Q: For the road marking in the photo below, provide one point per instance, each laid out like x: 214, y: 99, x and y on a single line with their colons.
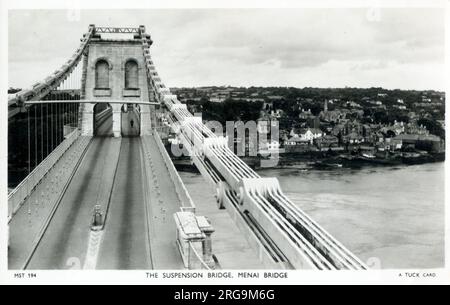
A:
x: 95, y: 238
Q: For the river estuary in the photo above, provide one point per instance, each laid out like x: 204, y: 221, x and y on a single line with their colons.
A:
x: 392, y: 217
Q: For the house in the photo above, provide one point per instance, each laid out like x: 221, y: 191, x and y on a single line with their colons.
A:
x: 338, y: 129
x: 327, y: 141
x: 353, y: 138
x: 333, y: 116
x: 276, y: 113
x: 270, y: 146
x: 352, y: 104
x: 313, y: 122
x: 398, y: 127
x: 216, y: 99
x: 254, y: 100
x: 425, y: 141
x: 275, y: 97
x: 308, y: 134
x: 305, y: 114
x: 375, y: 102
x: 413, y: 128
x: 297, y: 144
x: 400, y: 107
x: 390, y: 144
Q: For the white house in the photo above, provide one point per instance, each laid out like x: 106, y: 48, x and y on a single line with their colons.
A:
x: 308, y: 134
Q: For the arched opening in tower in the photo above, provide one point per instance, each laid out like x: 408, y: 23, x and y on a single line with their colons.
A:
x: 103, y: 120
x: 131, y: 120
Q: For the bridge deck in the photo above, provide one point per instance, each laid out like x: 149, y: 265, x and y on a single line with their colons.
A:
x: 27, y: 223
x: 138, y: 200
x: 164, y: 202
x: 125, y: 242
x: 64, y: 244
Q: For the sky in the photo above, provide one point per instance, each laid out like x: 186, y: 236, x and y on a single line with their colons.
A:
x: 316, y: 47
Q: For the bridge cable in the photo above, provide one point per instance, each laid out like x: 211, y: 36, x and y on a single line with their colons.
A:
x: 51, y: 123
x: 61, y: 106
x: 29, y: 164
x: 46, y: 129
x: 58, y: 119
x: 35, y: 136
x: 35, y: 147
x: 58, y: 123
x: 63, y: 118
x: 42, y: 133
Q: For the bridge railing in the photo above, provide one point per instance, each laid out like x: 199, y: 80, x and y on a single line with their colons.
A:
x: 195, y: 259
x: 180, y: 188
x: 102, y: 116
x: 26, y: 187
x: 193, y: 236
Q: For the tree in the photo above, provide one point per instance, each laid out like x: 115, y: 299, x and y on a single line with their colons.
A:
x: 433, y: 127
x: 12, y: 90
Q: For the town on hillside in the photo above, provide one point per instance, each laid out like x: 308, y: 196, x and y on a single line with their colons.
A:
x: 374, y: 125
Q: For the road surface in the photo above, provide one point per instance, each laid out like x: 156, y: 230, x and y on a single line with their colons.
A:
x: 64, y: 244
x: 138, y: 198
x: 125, y: 243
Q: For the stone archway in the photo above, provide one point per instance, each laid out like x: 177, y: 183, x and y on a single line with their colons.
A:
x: 102, y: 120
x: 130, y: 120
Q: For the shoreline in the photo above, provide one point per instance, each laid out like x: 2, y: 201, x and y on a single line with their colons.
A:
x: 309, y: 162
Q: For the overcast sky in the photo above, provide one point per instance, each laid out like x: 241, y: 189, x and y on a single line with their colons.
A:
x: 391, y: 48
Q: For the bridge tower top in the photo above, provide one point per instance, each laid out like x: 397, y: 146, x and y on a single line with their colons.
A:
x: 114, y: 70
x: 138, y: 32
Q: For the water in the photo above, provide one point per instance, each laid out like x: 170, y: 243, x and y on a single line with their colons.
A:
x: 393, y: 216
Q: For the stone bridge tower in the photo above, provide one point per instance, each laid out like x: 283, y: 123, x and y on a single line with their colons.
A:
x: 114, y: 70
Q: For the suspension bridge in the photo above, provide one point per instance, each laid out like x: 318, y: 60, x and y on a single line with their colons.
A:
x: 98, y: 189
